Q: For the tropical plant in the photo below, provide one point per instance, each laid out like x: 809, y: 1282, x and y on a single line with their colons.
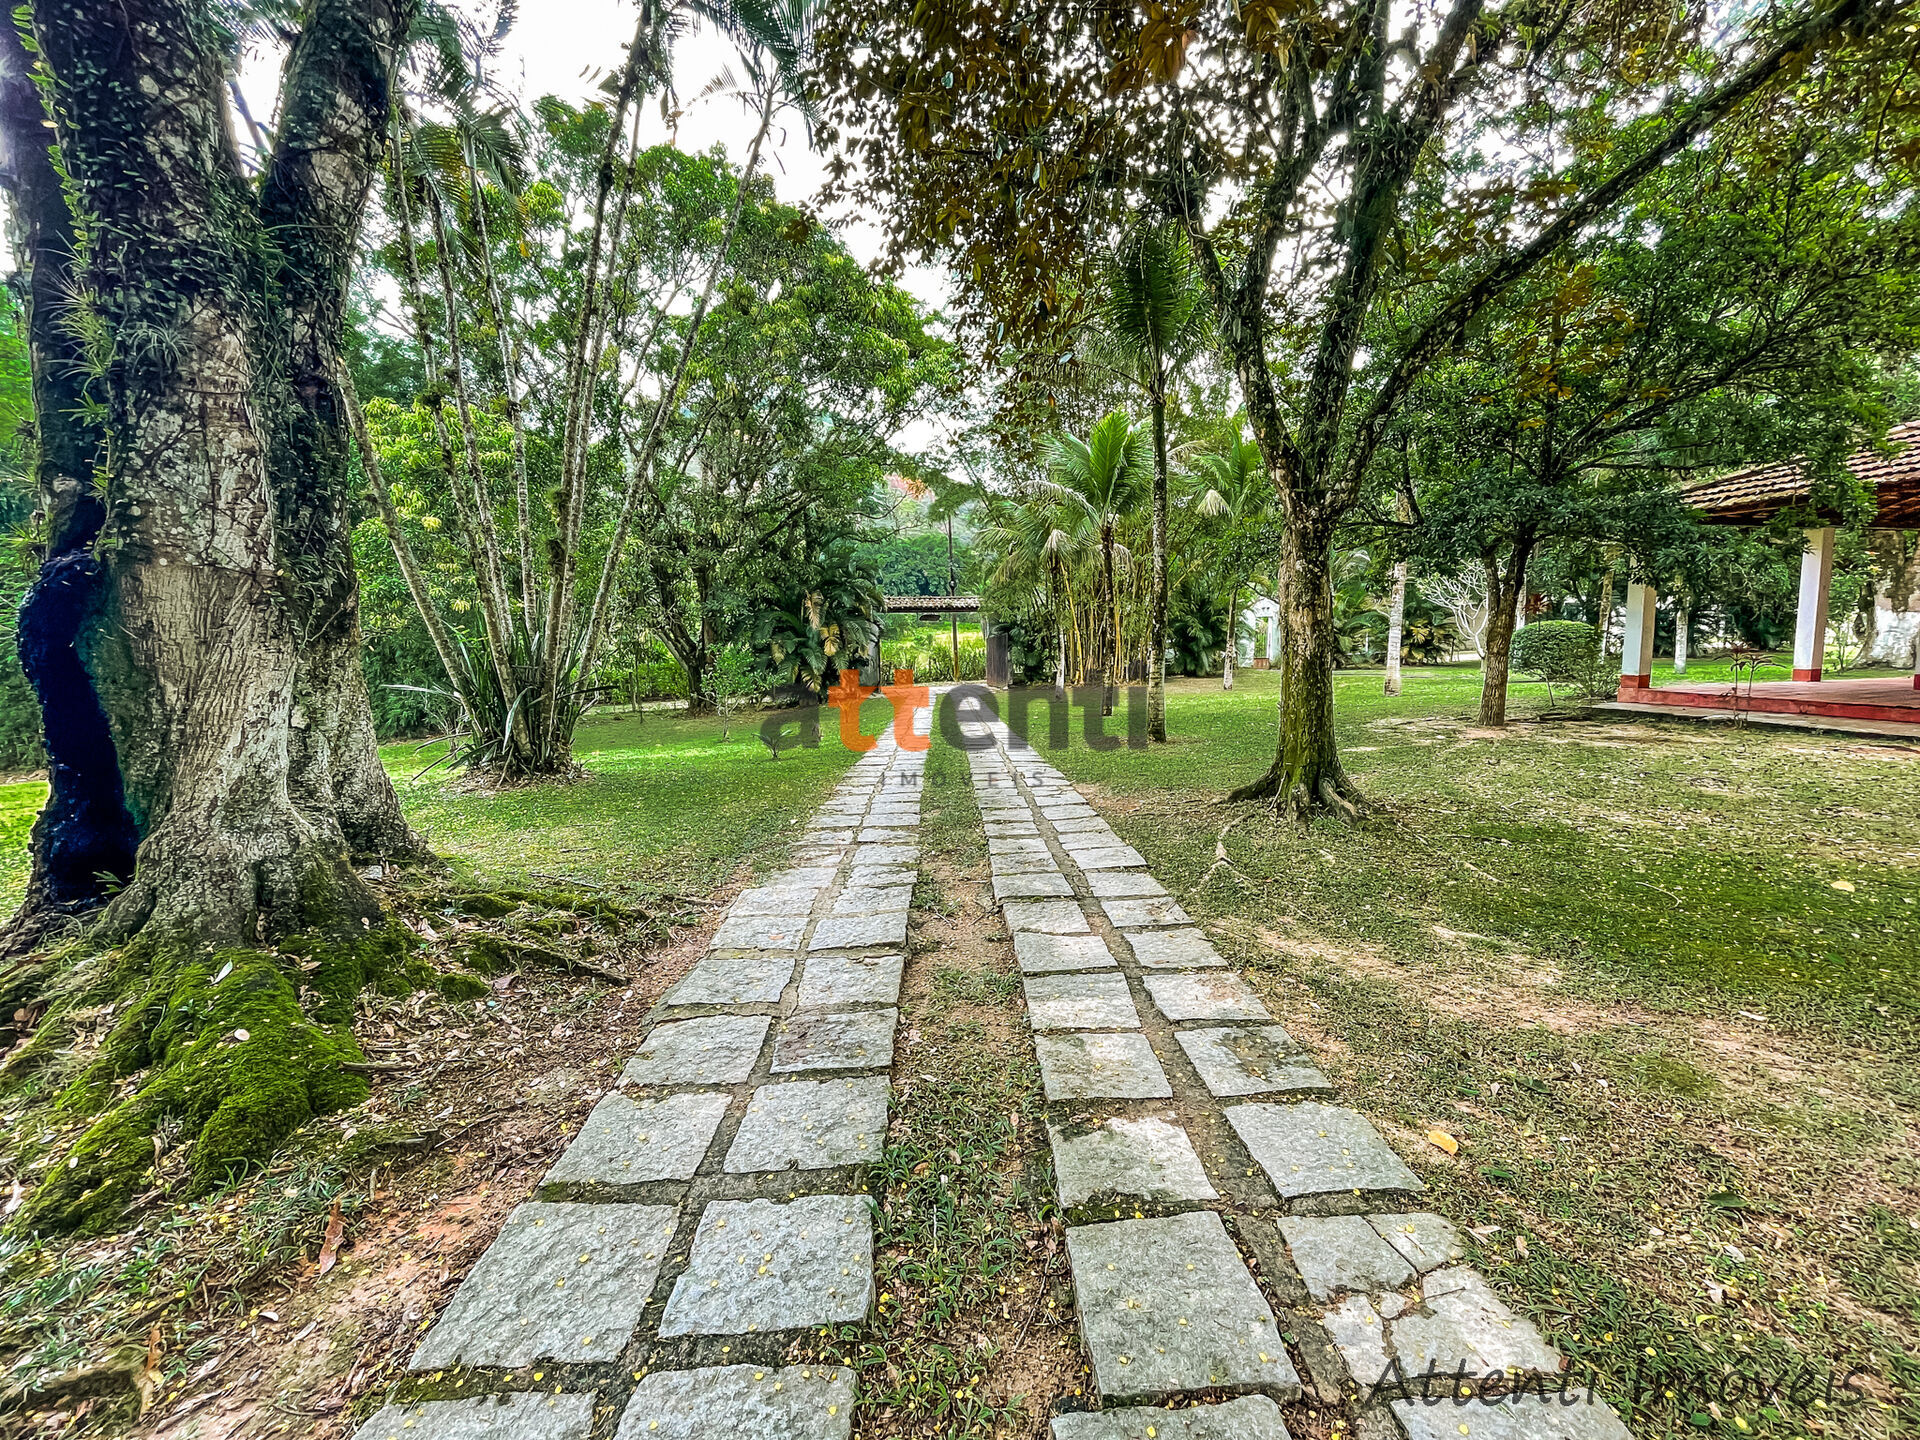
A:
x: 1093, y: 485
x: 1236, y: 492
x: 1153, y: 319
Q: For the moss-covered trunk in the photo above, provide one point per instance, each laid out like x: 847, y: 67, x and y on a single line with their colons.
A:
x: 1306, y: 772
x: 83, y: 839
x: 222, y: 641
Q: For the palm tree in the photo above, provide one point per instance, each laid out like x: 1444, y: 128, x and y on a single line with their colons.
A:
x: 1154, y: 317
x: 1237, y: 491
x: 1096, y: 482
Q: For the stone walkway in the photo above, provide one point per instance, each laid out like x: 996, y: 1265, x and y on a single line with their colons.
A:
x: 1190, y: 1133
x: 711, y: 1207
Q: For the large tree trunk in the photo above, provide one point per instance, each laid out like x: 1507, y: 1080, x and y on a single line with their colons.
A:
x: 223, y: 641
x: 1680, y: 621
x: 1396, y: 625
x: 1503, y: 608
x: 1306, y: 772
x: 1157, y: 604
x: 331, y: 135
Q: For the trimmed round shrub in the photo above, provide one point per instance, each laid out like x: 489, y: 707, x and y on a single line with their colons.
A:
x: 1561, y: 651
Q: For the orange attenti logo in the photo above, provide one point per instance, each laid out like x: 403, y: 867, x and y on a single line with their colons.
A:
x: 907, y: 699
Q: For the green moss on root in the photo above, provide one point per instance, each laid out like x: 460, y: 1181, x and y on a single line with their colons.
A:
x: 220, y: 1045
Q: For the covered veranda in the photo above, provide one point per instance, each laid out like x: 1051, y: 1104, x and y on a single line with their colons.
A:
x: 1752, y: 497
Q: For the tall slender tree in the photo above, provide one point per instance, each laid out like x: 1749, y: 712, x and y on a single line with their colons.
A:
x: 1152, y: 318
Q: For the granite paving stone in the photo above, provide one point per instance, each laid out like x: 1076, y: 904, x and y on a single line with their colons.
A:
x: 1018, y: 887
x: 1174, y: 949
x: 831, y: 982
x: 756, y: 977
x: 1315, y: 1149
x: 1012, y: 830
x: 861, y: 1040
x: 1054, y: 917
x: 782, y: 900
x: 1016, y: 846
x: 879, y: 835
x: 812, y: 1125
x: 1577, y: 1415
x: 829, y: 835
x: 1105, y: 857
x: 1147, y: 910
x: 1204, y: 995
x: 1038, y: 951
x: 560, y: 1282
x: 760, y: 932
x: 760, y: 1265
x: 883, y: 876
x: 858, y: 932
x: 1118, y: 884
x: 1100, y: 1067
x: 1083, y: 826
x: 1090, y: 1000
x: 1426, y: 1241
x: 521, y: 1416
x: 1238, y: 1060
x: 742, y: 1402
x: 885, y: 854
x: 872, y: 900
x: 1140, y: 1157
x: 1024, y: 865
x: 1335, y: 1253
x: 1359, y: 1333
x: 627, y: 1142
x: 817, y: 854
x: 712, y: 1050
x: 1167, y: 1305
x: 1467, y: 1323
x: 1251, y: 1417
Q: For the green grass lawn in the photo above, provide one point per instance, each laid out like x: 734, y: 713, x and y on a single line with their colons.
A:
x: 19, y: 804
x: 1660, y: 982
x: 670, y: 804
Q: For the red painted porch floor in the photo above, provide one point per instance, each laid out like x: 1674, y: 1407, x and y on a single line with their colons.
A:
x: 1889, y: 703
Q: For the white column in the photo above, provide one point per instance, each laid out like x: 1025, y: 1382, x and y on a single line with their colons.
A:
x: 1810, y: 622
x: 1680, y: 640
x: 1273, y: 640
x: 1636, y: 645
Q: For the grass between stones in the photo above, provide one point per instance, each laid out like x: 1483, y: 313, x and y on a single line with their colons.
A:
x: 1610, y: 962
x: 973, y: 1331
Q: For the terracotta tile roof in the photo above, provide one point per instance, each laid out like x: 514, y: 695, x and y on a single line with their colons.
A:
x: 1747, y: 497
x: 932, y: 604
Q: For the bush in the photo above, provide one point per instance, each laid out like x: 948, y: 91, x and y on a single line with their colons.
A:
x: 1559, y: 651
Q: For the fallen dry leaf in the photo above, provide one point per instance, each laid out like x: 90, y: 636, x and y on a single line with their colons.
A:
x: 330, y: 1243
x: 1445, y: 1141
x: 147, y: 1382
x: 1520, y: 1246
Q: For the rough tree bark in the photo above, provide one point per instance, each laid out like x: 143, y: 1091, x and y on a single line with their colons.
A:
x: 84, y: 832
x: 1232, y: 650
x: 1307, y: 775
x: 1503, y: 607
x: 1396, y: 625
x: 223, y: 641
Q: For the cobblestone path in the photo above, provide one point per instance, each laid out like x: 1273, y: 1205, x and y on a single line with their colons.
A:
x: 1190, y: 1134
x: 711, y: 1207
